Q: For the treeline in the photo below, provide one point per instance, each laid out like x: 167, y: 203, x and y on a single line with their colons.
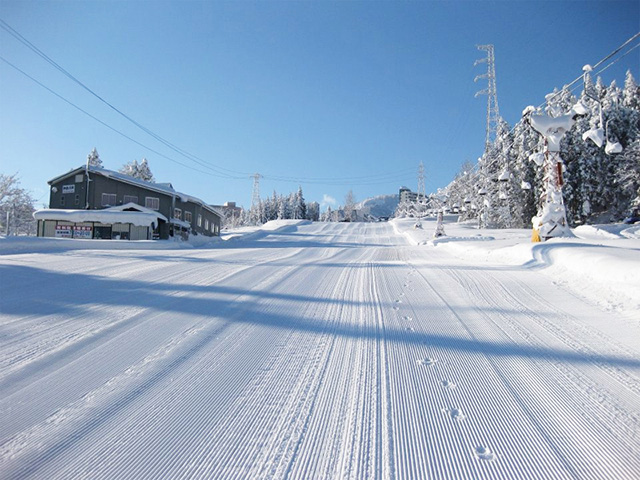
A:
x: 276, y: 207
x: 601, y: 154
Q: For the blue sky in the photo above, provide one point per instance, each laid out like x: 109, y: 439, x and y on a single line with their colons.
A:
x: 331, y: 96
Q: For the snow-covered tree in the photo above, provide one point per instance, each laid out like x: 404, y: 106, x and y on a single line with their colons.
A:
x: 140, y: 171
x: 16, y: 207
x: 313, y: 211
x: 132, y: 168
x: 144, y: 172
x: 93, y: 159
x: 350, y: 207
x: 631, y: 92
x: 299, y: 206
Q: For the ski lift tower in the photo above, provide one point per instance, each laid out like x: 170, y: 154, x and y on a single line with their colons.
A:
x: 551, y: 220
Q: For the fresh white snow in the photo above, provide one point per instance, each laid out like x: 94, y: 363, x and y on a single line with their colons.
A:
x: 323, y: 350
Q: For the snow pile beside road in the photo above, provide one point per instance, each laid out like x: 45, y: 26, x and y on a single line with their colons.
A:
x: 15, y: 245
x: 256, y: 233
x: 602, y: 263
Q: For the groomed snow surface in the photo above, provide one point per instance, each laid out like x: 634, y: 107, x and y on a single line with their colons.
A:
x: 323, y: 351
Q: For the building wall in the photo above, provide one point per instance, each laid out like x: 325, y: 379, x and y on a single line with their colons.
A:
x: 63, y: 198
x: 70, y: 193
x: 88, y: 230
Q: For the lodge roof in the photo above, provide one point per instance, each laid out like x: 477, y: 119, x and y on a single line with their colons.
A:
x: 165, y: 188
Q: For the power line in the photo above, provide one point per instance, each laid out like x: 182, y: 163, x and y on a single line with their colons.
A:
x: 106, y: 124
x: 600, y: 62
x: 221, y: 172
x: 637, y: 35
x: 165, y: 142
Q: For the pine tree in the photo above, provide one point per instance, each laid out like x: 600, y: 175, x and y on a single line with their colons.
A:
x: 93, y: 159
x: 144, y: 172
x: 313, y: 211
x: 300, y: 205
x: 140, y: 171
x: 132, y: 168
x: 282, y: 208
x: 350, y: 207
x: 631, y: 92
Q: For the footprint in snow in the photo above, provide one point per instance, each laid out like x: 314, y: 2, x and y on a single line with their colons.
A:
x: 484, y: 453
x: 448, y: 384
x: 410, y: 329
x: 456, y: 414
x: 427, y: 362
x: 407, y: 318
x: 396, y: 308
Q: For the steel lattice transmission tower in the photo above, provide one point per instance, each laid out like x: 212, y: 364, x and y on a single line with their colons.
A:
x: 493, y: 113
x: 255, y: 198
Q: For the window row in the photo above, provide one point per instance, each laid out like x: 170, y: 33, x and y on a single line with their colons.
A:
x: 153, y: 203
x: 110, y: 200
x: 188, y: 216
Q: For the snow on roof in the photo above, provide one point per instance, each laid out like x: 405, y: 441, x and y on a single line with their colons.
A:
x: 139, y: 208
x: 165, y: 188
x: 140, y: 219
x: 180, y: 223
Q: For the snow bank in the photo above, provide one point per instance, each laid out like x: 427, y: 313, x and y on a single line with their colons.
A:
x: 601, y: 264
x: 19, y: 245
x: 255, y: 233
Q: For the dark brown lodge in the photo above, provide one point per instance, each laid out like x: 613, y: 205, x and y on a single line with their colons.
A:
x: 93, y: 202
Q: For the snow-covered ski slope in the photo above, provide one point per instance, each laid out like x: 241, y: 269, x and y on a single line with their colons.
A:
x: 310, y: 351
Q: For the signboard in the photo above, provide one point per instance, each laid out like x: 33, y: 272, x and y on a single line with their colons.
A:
x: 68, y: 189
x: 63, y: 231
x: 82, y: 232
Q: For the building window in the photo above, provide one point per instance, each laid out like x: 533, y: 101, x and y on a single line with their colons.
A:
x: 188, y: 217
x: 77, y: 199
x: 177, y: 213
x: 108, y: 199
x: 130, y: 199
x: 213, y: 227
x: 200, y: 220
x: 79, y: 178
x: 152, y: 202
x: 206, y: 224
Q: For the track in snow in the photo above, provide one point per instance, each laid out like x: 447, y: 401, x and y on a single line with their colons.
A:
x: 324, y: 351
